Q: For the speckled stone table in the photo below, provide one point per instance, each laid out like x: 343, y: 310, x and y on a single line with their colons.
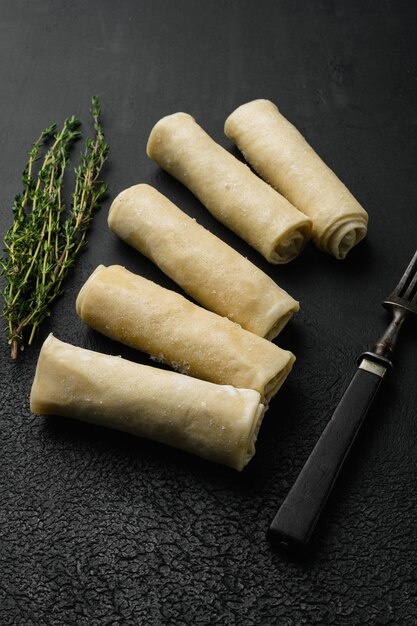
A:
x: 97, y: 527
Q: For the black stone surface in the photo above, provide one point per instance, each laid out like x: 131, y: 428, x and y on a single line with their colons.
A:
x: 100, y: 528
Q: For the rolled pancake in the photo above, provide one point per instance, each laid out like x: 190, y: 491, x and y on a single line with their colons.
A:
x: 161, y: 322
x: 217, y: 422
x: 281, y: 155
x: 228, y: 188
x: 208, y: 269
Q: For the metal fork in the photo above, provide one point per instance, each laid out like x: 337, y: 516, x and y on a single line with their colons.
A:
x: 296, y: 519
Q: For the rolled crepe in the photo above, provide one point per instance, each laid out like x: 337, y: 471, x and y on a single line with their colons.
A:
x: 228, y: 188
x: 209, y: 270
x: 217, y: 422
x: 141, y: 314
x: 281, y: 155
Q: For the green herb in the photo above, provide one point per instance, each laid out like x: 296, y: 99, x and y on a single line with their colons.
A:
x: 44, y: 239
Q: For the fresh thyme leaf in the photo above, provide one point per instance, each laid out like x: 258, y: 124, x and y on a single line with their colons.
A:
x: 42, y: 243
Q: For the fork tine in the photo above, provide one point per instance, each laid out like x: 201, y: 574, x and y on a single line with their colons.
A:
x: 410, y: 292
x: 405, y: 279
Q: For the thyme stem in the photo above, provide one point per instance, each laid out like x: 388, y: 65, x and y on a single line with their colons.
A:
x: 42, y: 243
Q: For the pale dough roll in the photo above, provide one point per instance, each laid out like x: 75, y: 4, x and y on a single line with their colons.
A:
x: 281, y: 155
x: 208, y: 269
x: 161, y: 322
x: 217, y: 422
x: 228, y: 188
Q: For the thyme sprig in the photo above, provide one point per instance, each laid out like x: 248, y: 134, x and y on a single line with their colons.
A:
x: 44, y: 241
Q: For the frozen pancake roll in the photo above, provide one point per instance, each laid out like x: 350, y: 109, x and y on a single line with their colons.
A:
x: 217, y: 422
x: 281, y: 155
x: 208, y: 269
x: 161, y: 322
x: 229, y: 189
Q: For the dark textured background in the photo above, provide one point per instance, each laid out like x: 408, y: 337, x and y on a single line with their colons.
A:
x: 99, y: 528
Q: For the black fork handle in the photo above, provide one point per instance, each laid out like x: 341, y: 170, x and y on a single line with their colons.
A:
x: 296, y: 519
